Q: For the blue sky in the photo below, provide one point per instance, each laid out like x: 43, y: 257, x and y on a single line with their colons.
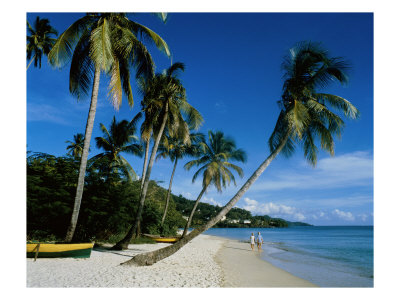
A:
x: 233, y: 78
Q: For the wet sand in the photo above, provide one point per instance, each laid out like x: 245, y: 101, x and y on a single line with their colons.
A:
x: 243, y: 267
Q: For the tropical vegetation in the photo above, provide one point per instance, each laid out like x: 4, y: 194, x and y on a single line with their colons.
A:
x: 215, y: 165
x: 40, y: 40
x: 107, y: 204
x: 112, y: 203
x: 75, y: 147
x: 96, y: 43
x: 176, y: 149
x: 164, y: 94
x: 120, y: 138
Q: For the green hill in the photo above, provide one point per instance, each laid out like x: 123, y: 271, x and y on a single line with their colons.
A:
x: 235, y: 218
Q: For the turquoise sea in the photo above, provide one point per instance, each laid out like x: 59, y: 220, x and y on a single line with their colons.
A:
x: 329, y: 256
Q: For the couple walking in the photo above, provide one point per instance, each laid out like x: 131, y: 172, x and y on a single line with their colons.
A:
x: 260, y: 241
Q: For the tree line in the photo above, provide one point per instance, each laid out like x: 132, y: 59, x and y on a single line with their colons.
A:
x: 108, y: 202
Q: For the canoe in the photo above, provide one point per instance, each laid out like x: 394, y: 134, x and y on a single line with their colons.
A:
x: 165, y: 239
x: 54, y: 250
x: 159, y: 239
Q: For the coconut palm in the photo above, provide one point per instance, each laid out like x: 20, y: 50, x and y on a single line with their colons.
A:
x: 118, y: 139
x: 215, y: 164
x: 75, y: 147
x: 39, y: 40
x: 165, y: 101
x: 102, y: 42
x: 304, y: 119
x: 175, y: 149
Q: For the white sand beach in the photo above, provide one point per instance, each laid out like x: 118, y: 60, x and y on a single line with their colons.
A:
x: 207, y: 261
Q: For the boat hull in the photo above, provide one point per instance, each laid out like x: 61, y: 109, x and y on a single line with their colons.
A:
x: 165, y: 240
x: 159, y: 239
x: 59, y: 250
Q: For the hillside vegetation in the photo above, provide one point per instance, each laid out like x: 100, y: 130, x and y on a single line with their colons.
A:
x: 109, y: 202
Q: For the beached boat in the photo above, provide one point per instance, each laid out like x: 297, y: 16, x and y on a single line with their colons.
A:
x: 160, y: 239
x: 54, y: 250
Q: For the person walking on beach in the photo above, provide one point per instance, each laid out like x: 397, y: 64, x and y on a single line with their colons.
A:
x: 252, y: 241
x: 260, y: 241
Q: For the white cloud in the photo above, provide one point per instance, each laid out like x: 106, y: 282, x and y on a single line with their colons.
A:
x: 347, y: 170
x: 362, y: 217
x: 291, y: 213
x: 346, y: 216
x: 45, y: 112
x: 210, y: 201
x: 273, y: 210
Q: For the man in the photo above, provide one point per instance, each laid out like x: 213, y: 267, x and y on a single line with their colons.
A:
x: 260, y: 241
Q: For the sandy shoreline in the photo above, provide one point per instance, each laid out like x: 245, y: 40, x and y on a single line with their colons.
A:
x: 243, y: 267
x: 207, y: 261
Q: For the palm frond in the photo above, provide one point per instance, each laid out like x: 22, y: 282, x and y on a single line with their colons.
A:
x: 149, y: 35
x: 101, y: 46
x: 339, y: 103
x: 115, y: 85
x: 62, y: 50
x: 82, y: 68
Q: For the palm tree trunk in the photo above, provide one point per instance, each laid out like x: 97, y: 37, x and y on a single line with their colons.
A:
x: 169, y: 192
x: 30, y: 62
x: 150, y: 258
x: 123, y: 244
x: 193, y: 211
x: 146, y: 156
x: 85, y: 152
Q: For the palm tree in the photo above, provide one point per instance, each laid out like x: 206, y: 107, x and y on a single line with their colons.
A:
x: 39, y: 40
x: 175, y: 149
x: 76, y: 147
x: 304, y: 118
x: 165, y: 95
x: 118, y: 139
x: 215, y: 165
x: 105, y: 42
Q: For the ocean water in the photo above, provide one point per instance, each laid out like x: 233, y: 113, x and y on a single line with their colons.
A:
x: 328, y: 256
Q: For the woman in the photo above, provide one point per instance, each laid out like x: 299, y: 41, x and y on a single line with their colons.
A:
x: 252, y: 241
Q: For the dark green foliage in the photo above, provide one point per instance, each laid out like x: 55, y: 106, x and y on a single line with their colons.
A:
x: 108, y: 204
x: 238, y: 214
x: 50, y: 183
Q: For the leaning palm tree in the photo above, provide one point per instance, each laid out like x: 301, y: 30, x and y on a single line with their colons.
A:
x: 175, y: 149
x: 102, y: 42
x: 165, y: 95
x: 215, y: 164
x: 120, y: 138
x: 75, y: 147
x: 304, y: 119
x: 39, y: 40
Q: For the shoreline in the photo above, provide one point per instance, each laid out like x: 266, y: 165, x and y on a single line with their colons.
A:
x: 243, y: 267
x: 207, y: 261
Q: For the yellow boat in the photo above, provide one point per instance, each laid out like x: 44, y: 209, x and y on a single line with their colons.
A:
x: 54, y: 250
x: 160, y: 239
x: 165, y: 239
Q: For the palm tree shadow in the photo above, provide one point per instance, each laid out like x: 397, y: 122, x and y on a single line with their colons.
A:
x: 108, y: 250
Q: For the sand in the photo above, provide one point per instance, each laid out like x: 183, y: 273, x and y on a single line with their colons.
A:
x: 191, y: 266
x: 243, y: 267
x: 207, y: 261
